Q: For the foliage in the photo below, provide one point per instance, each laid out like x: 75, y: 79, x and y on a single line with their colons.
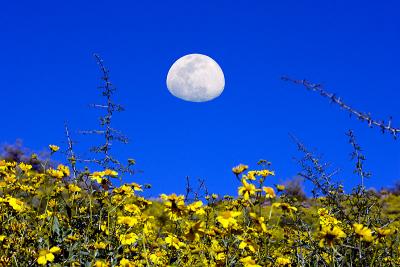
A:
x: 49, y: 219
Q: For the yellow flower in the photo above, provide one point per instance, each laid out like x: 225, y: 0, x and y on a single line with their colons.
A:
x: 47, y: 255
x: 265, y: 173
x: 158, y: 258
x: 2, y: 237
x: 220, y: 256
x: 64, y: 169
x: 251, y: 175
x: 194, y: 230
x: 322, y: 212
x: 285, y: 207
x: 74, y: 188
x: 227, y: 218
x: 330, y: 234
x: 216, y: 247
x: 281, y: 261
x: 136, y: 187
x: 110, y: 173
x: 269, y: 192
x: 259, y: 221
x: 73, y: 237
x: 100, y: 245
x: 15, y: 203
x: 45, y: 215
x: 10, y: 178
x: 325, y: 219
x: 127, y: 220
x: 100, y: 263
x: 173, y: 241
x: 247, y: 189
x: 25, y: 167
x: 363, y: 232
x: 124, y: 189
x: 54, y: 148
x: 383, y: 232
x: 132, y: 208
x: 196, y: 208
x: 128, y: 239
x: 247, y: 243
x: 103, y: 227
x: 239, y: 169
x: 55, y: 173
x: 280, y: 187
x: 125, y: 263
x: 174, y: 206
x: 249, y: 262
x: 97, y: 176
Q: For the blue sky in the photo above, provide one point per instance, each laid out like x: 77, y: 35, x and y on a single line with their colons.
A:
x: 48, y: 76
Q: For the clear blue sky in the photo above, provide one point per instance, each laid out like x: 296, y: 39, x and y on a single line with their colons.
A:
x: 48, y: 75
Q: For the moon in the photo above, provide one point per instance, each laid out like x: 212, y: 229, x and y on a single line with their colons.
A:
x: 195, y: 78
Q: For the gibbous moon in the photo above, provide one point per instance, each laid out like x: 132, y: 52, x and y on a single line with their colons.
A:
x: 195, y: 78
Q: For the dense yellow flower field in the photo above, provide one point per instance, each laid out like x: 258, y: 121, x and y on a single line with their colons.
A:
x: 50, y: 218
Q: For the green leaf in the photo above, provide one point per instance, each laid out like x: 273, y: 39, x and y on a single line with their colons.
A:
x: 56, y: 226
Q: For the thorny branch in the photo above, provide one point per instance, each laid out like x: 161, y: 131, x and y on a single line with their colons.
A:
x: 70, y: 151
x: 385, y: 127
x: 109, y: 133
x: 359, y: 157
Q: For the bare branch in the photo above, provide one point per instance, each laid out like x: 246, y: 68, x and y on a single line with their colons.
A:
x: 91, y: 132
x: 385, y: 127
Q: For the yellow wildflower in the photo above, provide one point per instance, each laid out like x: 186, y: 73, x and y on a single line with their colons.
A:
x: 194, y: 230
x: 247, y: 189
x: 383, y: 232
x: 55, y: 173
x: 125, y: 263
x: 227, y: 218
x: 47, y: 255
x: 174, y: 206
x: 239, y: 169
x: 285, y: 207
x: 100, y: 245
x: 282, y: 261
x: 15, y: 203
x: 247, y: 243
x: 196, y: 208
x: 25, y: 167
x: 265, y: 173
x: 74, y: 188
x: 64, y: 169
x: 97, y: 176
x: 249, y: 262
x: 259, y: 221
x: 127, y: 220
x: 132, y: 208
x: 173, y: 241
x: 251, y: 175
x: 136, y: 187
x: 330, y: 234
x: 110, y: 173
x: 100, y: 263
x: 128, y: 239
x: 54, y: 148
x: 158, y: 258
x: 363, y: 232
x: 269, y: 192
x: 280, y: 187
